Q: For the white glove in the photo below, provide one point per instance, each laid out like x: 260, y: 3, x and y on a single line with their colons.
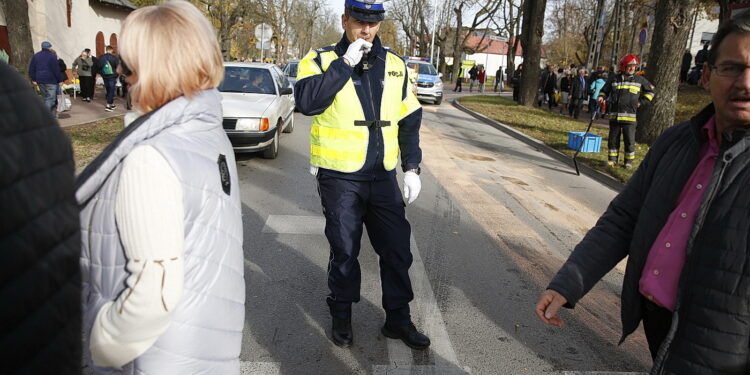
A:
x: 412, y: 186
x: 356, y: 49
x: 313, y: 170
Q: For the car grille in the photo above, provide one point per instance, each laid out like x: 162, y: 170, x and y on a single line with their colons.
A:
x: 229, y: 123
x: 425, y: 84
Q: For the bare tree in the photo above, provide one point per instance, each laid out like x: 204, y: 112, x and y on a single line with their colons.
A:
x: 19, y: 33
x: 224, y: 14
x: 671, y: 31
x: 508, y: 24
x: 531, y: 38
x: 486, y: 11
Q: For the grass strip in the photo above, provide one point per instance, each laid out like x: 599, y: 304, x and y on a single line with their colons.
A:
x: 90, y: 139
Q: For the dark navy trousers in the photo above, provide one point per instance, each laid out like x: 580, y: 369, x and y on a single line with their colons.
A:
x: 348, y: 204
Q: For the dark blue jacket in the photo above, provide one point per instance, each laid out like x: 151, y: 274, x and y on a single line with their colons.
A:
x: 113, y: 60
x: 44, y: 68
x: 313, y: 95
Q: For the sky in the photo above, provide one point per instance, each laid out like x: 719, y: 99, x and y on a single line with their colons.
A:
x: 337, y: 6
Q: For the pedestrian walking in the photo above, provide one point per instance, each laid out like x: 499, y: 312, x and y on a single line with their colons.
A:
x: 354, y: 155
x: 565, y: 83
x: 499, y: 79
x: 107, y: 68
x: 83, y: 66
x: 515, y: 82
x: 473, y: 73
x: 39, y: 236
x: 595, y: 88
x: 44, y: 71
x: 579, y: 93
x: 687, y: 59
x: 162, y: 246
x: 625, y: 93
x: 547, y: 84
x: 459, y: 80
x: 481, y: 77
x: 682, y: 223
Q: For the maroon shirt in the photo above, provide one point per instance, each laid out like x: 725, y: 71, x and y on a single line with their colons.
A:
x: 661, y: 274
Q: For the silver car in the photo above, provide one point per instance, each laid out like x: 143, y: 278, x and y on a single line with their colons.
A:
x: 258, y: 104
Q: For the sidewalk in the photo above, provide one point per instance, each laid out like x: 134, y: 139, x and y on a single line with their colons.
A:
x: 83, y: 112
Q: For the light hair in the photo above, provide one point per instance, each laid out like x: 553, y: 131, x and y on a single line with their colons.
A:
x: 172, y: 50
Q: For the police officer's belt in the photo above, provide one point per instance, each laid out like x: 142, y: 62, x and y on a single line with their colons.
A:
x: 372, y: 124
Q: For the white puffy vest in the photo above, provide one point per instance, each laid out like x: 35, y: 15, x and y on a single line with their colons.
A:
x: 205, y: 333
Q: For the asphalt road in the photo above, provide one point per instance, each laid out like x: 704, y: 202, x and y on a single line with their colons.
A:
x: 494, y: 221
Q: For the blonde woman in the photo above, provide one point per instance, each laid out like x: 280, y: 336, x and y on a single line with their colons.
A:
x: 162, y: 260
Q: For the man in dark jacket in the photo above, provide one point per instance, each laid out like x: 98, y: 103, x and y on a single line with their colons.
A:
x: 579, y: 93
x: 44, y: 71
x: 687, y: 58
x: 682, y: 221
x: 107, y: 68
x: 40, y: 280
x: 473, y: 73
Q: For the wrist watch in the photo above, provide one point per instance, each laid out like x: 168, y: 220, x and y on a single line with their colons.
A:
x: 416, y: 170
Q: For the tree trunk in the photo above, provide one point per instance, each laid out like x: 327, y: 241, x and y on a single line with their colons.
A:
x: 457, y: 47
x: 533, y: 27
x: 671, y: 30
x: 19, y: 33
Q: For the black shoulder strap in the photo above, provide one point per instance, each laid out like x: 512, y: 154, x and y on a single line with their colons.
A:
x: 321, y: 50
x: 91, y: 169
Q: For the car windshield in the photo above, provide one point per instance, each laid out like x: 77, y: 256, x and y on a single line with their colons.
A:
x: 291, y: 70
x: 426, y: 69
x: 247, y: 80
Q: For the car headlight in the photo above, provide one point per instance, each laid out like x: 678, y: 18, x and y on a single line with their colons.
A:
x: 252, y: 124
x: 439, y: 84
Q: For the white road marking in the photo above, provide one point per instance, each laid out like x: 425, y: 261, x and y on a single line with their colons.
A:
x: 602, y: 373
x: 260, y: 368
x: 294, y: 224
x: 418, y: 370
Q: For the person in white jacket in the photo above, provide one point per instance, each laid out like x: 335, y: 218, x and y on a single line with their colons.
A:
x: 162, y: 261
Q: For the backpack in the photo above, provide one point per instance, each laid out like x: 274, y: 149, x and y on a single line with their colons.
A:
x: 107, y: 69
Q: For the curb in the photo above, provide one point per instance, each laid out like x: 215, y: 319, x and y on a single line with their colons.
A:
x: 590, y: 172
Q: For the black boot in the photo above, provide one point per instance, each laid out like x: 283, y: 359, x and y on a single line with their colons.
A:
x: 408, y: 334
x: 341, y: 332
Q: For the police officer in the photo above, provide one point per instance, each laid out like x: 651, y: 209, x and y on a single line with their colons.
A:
x: 624, y: 92
x: 365, y: 114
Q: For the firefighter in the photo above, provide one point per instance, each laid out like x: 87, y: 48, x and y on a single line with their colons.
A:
x: 624, y: 93
x: 365, y: 115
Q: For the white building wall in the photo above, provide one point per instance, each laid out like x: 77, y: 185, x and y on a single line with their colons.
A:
x: 702, y: 25
x: 49, y: 22
x: 491, y: 62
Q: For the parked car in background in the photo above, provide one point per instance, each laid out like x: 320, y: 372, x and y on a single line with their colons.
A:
x: 290, y: 71
x: 429, y: 83
x: 258, y: 104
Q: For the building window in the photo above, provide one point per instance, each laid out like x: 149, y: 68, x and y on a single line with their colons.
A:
x: 113, y: 42
x: 99, y: 44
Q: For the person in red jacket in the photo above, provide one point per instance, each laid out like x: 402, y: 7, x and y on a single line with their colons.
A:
x: 481, y: 76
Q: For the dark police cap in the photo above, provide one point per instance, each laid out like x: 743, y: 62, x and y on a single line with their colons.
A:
x: 366, y: 10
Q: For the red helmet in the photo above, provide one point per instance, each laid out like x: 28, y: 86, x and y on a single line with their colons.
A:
x: 627, y: 60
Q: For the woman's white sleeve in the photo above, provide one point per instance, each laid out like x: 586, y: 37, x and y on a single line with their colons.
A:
x: 149, y: 215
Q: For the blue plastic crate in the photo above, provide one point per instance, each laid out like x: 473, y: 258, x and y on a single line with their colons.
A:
x: 593, y: 142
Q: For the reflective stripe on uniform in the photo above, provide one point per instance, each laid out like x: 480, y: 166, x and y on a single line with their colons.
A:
x: 630, y: 156
x: 649, y: 96
x: 613, y: 152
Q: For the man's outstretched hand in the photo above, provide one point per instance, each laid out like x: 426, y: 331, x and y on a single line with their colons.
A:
x: 548, y: 305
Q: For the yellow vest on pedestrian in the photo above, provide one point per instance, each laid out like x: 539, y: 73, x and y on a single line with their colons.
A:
x: 335, y: 142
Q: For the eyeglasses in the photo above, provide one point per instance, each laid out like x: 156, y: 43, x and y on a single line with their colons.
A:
x: 729, y: 70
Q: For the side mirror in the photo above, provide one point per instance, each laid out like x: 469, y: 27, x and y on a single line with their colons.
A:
x: 286, y: 91
x: 440, y: 75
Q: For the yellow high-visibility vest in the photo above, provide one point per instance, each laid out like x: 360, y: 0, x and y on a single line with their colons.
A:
x: 335, y: 142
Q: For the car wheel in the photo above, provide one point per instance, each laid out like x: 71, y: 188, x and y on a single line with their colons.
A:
x: 273, y: 149
x: 438, y: 100
x: 290, y: 126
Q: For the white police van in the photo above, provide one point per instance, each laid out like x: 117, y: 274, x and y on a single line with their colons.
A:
x: 429, y: 83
